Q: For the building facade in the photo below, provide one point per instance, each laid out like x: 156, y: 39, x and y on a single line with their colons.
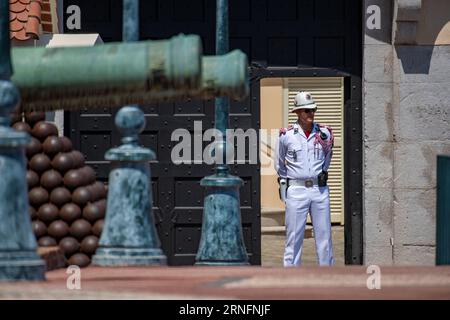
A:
x: 380, y: 72
x: 406, y: 125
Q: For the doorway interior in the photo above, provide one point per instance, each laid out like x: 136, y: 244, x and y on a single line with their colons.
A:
x: 276, y: 101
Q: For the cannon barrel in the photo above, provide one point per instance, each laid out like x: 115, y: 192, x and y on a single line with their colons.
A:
x: 225, y: 75
x: 116, y: 74
x: 109, y: 74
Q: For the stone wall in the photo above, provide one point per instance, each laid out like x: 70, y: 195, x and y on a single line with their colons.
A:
x: 406, y: 125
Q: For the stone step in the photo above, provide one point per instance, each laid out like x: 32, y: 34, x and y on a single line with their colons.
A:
x: 272, y: 217
x: 273, y: 230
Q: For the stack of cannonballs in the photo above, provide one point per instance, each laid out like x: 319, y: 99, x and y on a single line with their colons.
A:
x: 67, y: 204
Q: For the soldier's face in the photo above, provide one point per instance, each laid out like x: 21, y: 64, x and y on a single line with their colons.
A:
x: 305, y: 116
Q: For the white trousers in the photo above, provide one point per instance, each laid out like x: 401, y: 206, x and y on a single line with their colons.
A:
x: 299, y: 201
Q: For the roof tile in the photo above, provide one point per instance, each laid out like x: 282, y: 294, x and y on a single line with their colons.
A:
x: 16, y: 25
x: 32, y: 28
x: 35, y: 10
x: 19, y: 35
x: 25, y: 19
x: 17, y: 7
x: 22, y: 16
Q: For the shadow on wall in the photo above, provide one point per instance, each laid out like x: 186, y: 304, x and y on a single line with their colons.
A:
x: 415, y: 59
x: 433, y: 29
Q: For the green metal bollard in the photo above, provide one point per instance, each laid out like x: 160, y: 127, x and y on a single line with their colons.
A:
x: 222, y: 241
x: 443, y: 211
x: 129, y: 237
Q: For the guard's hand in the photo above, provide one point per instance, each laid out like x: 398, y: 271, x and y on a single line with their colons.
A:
x: 282, y: 189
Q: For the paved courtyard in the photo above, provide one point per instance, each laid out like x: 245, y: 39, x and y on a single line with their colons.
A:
x: 197, y: 283
x: 254, y: 282
x: 272, y: 247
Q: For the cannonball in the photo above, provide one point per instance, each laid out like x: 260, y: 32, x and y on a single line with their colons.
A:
x: 52, y: 145
x: 73, y: 179
x: 80, y: 229
x: 101, y: 204
x: 47, y: 241
x: 60, y: 196
x: 70, y: 212
x: 51, y: 179
x: 22, y: 126
x: 69, y: 246
x: 89, y: 245
x: 98, y: 190
x: 58, y: 229
x: 38, y: 196
x: 32, y: 179
x: 81, y: 196
x: 67, y: 144
x: 33, y: 117
x: 48, y: 213
x: 39, y: 228
x: 43, y: 129
x: 33, y: 147
x: 33, y: 212
x: 40, y: 163
x: 77, y: 158
x: 88, y: 174
x: 62, y: 162
x: 92, y: 213
x: 79, y: 259
x: 98, y: 227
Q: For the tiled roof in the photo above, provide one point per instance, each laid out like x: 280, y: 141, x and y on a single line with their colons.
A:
x: 25, y: 19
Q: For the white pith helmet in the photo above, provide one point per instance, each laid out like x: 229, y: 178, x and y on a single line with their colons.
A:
x: 304, y: 100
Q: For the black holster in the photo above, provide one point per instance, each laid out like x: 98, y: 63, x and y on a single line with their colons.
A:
x: 322, y: 179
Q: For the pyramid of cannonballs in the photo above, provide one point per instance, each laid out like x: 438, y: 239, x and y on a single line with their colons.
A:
x: 67, y: 204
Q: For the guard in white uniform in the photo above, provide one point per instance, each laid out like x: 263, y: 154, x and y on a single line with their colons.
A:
x: 304, y: 156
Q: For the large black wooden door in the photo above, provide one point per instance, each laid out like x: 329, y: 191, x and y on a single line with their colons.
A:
x: 281, y: 38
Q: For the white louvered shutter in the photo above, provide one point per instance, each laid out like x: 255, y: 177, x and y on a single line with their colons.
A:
x: 328, y: 93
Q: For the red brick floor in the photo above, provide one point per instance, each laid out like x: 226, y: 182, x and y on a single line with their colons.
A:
x: 237, y: 283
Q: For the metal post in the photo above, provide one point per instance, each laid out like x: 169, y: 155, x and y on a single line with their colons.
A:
x: 443, y: 211
x: 222, y: 103
x: 5, y: 49
x: 222, y: 241
x: 129, y: 237
x: 130, y: 23
x: 18, y: 257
